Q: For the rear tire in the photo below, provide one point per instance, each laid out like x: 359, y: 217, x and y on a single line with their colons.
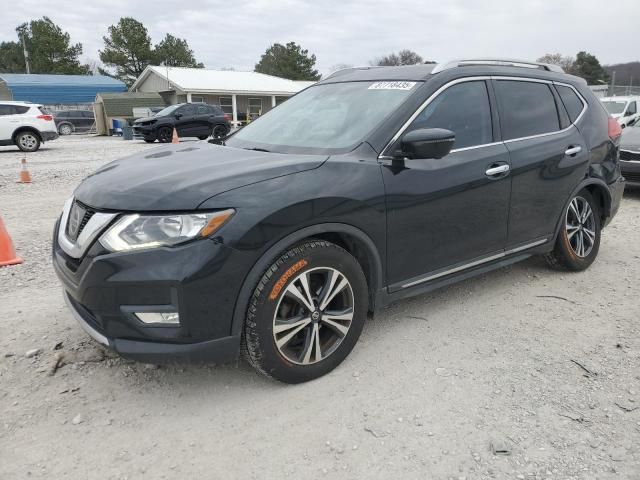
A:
x: 306, y: 314
x: 28, y: 141
x: 578, y: 242
x: 65, y: 129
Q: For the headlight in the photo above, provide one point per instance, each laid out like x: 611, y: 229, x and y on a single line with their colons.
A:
x: 136, y: 231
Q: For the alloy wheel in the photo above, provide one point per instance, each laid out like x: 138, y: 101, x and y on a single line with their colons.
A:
x: 313, y: 316
x: 28, y: 141
x: 66, y: 130
x: 580, y: 227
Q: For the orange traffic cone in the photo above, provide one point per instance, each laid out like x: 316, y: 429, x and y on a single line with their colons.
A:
x: 175, y: 138
x: 7, y: 252
x: 25, y: 176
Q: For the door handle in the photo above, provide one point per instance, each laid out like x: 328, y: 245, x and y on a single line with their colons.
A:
x: 497, y: 170
x: 573, y: 150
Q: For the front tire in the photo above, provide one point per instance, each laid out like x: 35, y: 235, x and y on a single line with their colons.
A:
x: 165, y: 134
x: 28, y: 141
x: 578, y: 242
x: 219, y: 131
x: 306, y: 314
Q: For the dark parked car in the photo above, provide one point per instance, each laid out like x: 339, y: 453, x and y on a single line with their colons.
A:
x: 189, y: 119
x: 373, y: 185
x: 70, y: 121
x: 630, y: 154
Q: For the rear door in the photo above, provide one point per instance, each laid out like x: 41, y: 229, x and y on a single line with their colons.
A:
x: 548, y: 157
x: 444, y: 215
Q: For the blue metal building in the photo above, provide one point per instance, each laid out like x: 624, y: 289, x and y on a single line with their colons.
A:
x: 56, y: 89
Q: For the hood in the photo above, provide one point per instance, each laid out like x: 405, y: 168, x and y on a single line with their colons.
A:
x: 631, y: 139
x: 615, y: 115
x: 181, y: 177
x: 145, y: 119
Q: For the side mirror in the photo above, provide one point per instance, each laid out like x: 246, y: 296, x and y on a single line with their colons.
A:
x: 427, y: 143
x: 178, y: 116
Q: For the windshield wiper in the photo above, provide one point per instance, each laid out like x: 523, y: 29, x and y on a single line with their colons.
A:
x: 256, y: 149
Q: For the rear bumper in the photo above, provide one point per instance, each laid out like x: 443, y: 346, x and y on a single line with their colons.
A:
x: 48, y: 136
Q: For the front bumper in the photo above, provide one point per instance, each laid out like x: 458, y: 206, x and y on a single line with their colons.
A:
x: 143, y: 130
x: 631, y: 171
x: 200, y: 280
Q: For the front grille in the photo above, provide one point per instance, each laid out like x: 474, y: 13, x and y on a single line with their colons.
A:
x: 84, y: 213
x: 628, y: 155
x: 87, y: 314
x: 632, y: 177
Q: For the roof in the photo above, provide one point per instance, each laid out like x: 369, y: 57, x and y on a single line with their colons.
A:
x: 424, y: 72
x: 59, y: 89
x: 407, y: 72
x: 122, y: 104
x: 200, y: 80
x: 620, y: 98
x: 17, y: 102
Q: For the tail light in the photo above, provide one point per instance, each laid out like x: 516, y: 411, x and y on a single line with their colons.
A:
x: 227, y: 117
x: 46, y: 118
x: 615, y: 130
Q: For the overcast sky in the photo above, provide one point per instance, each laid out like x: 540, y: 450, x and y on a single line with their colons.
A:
x: 235, y: 33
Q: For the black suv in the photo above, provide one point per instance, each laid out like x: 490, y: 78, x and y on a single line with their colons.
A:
x: 70, y: 121
x: 372, y: 185
x: 189, y: 119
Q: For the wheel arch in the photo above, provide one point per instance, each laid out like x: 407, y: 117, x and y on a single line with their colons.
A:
x: 21, y: 129
x: 352, y: 239
x: 599, y: 191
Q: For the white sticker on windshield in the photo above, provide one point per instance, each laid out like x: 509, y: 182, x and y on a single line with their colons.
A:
x: 392, y: 86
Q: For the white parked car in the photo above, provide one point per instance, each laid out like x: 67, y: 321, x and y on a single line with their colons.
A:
x: 624, y: 109
x: 26, y: 125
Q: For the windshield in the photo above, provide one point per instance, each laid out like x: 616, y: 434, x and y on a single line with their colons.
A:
x: 325, y: 118
x: 167, y: 111
x: 614, y: 107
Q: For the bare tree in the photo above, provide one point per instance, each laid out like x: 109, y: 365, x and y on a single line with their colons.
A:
x: 567, y: 63
x: 403, y: 57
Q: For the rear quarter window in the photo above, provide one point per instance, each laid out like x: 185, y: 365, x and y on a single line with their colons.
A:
x: 571, y: 101
x: 526, y: 109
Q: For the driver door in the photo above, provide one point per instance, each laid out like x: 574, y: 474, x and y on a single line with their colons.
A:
x: 446, y: 215
x: 186, y: 120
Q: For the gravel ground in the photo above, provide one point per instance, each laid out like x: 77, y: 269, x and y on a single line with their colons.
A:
x: 521, y: 373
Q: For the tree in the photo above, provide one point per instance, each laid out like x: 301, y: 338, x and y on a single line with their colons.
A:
x: 567, y: 63
x: 288, y: 61
x: 50, y: 49
x: 11, y: 58
x: 127, y: 48
x: 588, y: 67
x: 403, y: 57
x: 175, y: 52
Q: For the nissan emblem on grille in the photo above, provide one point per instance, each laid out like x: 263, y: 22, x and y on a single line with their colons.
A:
x: 75, y: 220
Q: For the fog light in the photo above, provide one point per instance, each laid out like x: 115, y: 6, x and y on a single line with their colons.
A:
x: 164, y: 318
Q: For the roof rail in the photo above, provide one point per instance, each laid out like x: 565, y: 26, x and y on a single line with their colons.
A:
x: 507, y: 62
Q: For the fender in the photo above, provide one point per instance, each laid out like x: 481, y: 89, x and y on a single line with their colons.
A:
x: 584, y: 183
x: 256, y: 272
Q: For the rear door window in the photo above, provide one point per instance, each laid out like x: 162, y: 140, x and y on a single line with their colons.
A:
x: 571, y: 101
x: 464, y: 109
x: 20, y: 109
x: 526, y: 109
x: 6, y: 110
